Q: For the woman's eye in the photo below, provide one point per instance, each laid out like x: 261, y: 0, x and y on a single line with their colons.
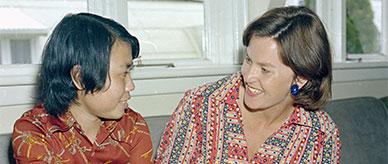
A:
x: 248, y: 60
x: 131, y: 67
x: 126, y: 73
x: 265, y: 70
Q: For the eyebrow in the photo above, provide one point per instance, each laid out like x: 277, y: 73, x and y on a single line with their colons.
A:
x: 260, y: 63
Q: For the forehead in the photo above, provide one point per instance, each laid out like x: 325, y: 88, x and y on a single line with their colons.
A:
x: 121, y: 53
x: 264, y: 49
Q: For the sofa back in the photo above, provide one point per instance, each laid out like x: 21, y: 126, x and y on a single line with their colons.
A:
x: 156, y: 125
x: 363, y: 124
x: 6, y: 154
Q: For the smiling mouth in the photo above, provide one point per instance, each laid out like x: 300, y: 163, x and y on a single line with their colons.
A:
x: 125, y: 100
x: 253, y: 91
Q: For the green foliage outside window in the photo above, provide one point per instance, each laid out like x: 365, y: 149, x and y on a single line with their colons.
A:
x: 311, y: 4
x: 362, y: 35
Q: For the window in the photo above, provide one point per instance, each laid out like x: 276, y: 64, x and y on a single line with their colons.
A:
x: 21, y: 51
x: 364, y: 30
x: 181, y: 32
x: 362, y: 22
x: 25, y: 25
x: 167, y: 29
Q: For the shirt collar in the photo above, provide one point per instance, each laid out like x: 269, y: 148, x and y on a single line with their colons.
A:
x: 228, y: 91
x: 63, y: 122
x: 300, y: 117
x: 66, y: 121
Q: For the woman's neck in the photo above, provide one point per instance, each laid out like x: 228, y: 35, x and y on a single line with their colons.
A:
x: 90, y: 124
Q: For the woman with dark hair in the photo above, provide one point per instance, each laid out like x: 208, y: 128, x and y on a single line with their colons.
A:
x: 270, y: 111
x: 82, y: 115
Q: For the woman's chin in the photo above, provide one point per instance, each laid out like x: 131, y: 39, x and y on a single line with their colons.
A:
x: 117, y: 114
x: 253, y: 104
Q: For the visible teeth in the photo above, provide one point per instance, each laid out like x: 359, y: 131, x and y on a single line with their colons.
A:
x: 254, y: 90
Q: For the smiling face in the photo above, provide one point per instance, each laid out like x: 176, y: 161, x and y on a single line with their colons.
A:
x: 267, y: 80
x: 111, y: 101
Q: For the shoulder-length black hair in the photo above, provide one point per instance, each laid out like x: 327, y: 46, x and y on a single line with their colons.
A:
x: 82, y: 39
x: 304, y: 48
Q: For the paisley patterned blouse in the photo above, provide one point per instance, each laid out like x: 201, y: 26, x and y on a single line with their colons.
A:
x: 38, y: 137
x: 207, y: 128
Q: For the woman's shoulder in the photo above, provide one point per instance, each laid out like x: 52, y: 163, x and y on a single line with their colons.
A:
x: 38, y: 113
x: 323, y: 121
x: 35, y: 120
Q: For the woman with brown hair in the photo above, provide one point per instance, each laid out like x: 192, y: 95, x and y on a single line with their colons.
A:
x: 270, y: 111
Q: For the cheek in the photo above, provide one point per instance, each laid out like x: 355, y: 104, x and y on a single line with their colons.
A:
x: 244, y: 69
x: 279, y: 84
x: 117, y: 87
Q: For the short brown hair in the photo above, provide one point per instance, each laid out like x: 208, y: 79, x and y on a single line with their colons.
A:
x: 304, y: 48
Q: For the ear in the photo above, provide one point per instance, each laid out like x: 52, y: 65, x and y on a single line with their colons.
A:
x: 75, y: 74
x: 301, y: 81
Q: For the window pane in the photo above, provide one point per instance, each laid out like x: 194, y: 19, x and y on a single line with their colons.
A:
x: 23, y: 24
x: 21, y: 51
x: 167, y: 29
x: 311, y: 4
x: 294, y: 3
x: 363, y: 26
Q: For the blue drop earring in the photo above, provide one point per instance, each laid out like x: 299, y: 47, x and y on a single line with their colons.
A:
x: 294, y: 89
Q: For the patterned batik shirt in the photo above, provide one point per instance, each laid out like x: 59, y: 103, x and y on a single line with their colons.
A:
x: 39, y: 137
x: 207, y: 128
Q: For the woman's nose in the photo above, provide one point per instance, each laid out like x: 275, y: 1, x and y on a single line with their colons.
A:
x: 130, y: 85
x: 252, y: 73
